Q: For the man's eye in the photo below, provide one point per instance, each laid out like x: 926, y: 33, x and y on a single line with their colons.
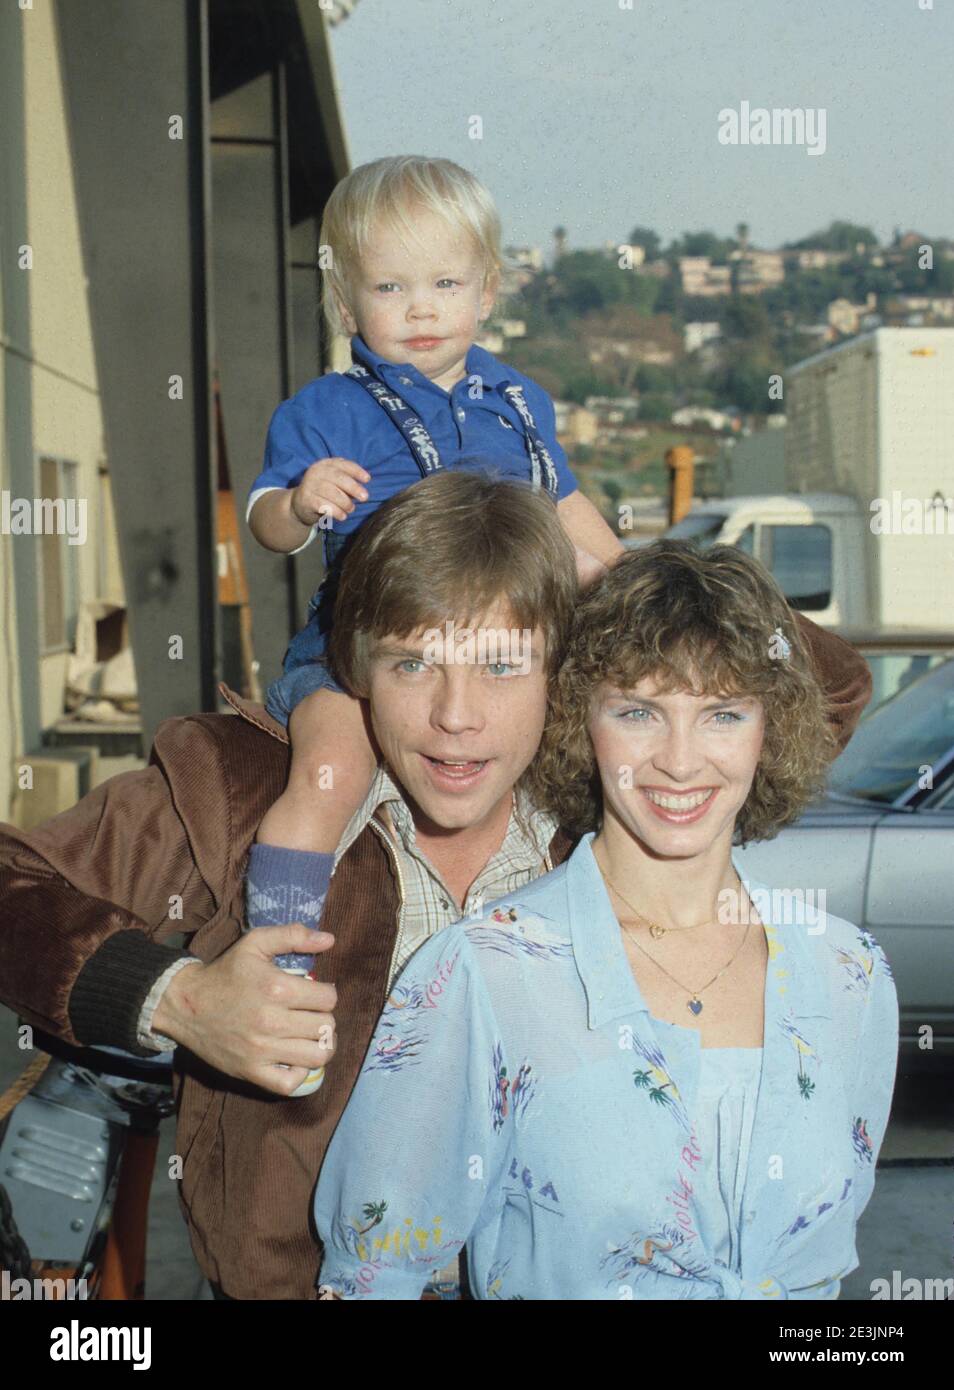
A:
x: 501, y: 668
x: 625, y: 713
x: 412, y: 665
x: 387, y: 285
x: 447, y: 281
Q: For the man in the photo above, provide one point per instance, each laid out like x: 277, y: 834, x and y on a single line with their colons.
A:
x: 88, y: 900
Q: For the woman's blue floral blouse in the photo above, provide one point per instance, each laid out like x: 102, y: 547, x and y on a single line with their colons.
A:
x: 519, y: 1099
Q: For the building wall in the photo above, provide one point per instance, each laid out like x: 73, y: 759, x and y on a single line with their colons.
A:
x: 11, y: 723
x: 47, y: 346
x: 755, y: 464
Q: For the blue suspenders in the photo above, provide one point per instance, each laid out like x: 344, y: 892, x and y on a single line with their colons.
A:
x: 542, y: 468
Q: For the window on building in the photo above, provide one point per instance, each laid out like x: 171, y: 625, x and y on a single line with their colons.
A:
x: 58, y: 561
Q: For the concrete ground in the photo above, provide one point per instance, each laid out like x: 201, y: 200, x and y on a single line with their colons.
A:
x: 906, y: 1227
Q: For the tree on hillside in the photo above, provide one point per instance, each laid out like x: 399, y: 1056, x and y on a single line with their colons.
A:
x: 743, y: 380
x: 702, y: 244
x: 656, y: 406
x: 837, y: 236
x: 912, y: 279
x: 744, y: 317
x: 586, y: 282
x: 648, y: 240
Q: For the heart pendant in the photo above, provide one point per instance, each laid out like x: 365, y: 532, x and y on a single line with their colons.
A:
x: 656, y: 932
x: 695, y: 1005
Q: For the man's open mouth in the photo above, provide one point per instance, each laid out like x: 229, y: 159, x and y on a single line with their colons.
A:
x: 457, y: 764
x: 456, y: 771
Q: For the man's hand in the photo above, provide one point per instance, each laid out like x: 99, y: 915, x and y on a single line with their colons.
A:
x: 245, y: 1017
x: 327, y: 489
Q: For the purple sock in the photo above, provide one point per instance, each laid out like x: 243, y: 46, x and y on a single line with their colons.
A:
x: 286, y: 885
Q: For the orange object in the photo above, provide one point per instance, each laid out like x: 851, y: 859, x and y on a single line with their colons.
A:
x: 124, y: 1259
x: 680, y: 460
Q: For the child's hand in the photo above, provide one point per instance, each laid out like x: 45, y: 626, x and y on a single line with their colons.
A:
x: 588, y: 568
x: 327, y: 488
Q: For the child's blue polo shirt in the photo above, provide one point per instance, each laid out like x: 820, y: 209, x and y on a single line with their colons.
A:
x: 334, y: 416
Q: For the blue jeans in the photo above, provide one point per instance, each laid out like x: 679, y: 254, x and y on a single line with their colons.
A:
x: 305, y: 667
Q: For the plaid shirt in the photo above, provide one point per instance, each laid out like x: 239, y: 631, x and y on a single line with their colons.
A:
x: 427, y: 904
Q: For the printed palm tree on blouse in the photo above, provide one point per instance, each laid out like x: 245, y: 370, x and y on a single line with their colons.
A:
x: 519, y: 1099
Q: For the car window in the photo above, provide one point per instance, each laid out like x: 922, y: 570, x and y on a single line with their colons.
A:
x: 800, y: 559
x: 946, y: 802
x: 892, y: 671
x: 900, y: 743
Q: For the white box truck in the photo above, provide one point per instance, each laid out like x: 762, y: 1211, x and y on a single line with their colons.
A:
x: 863, y: 538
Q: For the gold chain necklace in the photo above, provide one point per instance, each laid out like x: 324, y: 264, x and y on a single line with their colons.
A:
x: 655, y: 931
x: 693, y: 1003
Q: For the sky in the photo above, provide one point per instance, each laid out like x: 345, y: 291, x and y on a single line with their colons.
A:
x: 601, y: 115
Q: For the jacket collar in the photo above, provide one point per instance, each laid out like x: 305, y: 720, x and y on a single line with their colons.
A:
x: 254, y: 713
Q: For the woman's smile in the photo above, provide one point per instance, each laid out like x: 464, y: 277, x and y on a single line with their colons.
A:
x: 680, y: 808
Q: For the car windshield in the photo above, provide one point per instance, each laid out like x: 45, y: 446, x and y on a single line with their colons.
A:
x: 701, y: 528
x: 906, y: 735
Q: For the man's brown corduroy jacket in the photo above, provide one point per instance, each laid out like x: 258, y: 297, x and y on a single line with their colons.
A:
x: 84, y: 912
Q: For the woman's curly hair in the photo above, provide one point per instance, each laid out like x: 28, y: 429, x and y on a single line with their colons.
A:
x: 704, y: 621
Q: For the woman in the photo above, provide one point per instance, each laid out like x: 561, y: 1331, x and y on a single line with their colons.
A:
x: 640, y: 1077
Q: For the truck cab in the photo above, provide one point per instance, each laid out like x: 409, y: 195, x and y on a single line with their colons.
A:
x: 811, y: 543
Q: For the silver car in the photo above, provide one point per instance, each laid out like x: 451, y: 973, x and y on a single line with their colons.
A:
x: 881, y: 846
